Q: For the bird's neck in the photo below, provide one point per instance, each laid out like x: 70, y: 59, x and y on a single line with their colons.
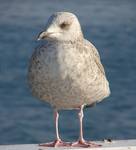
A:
x: 72, y: 41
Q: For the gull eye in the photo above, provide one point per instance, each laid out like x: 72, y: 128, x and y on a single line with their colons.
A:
x: 64, y: 25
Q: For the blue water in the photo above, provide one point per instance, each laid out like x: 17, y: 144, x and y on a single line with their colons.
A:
x: 111, y: 26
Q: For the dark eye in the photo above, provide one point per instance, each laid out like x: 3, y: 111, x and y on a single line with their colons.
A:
x: 64, y: 25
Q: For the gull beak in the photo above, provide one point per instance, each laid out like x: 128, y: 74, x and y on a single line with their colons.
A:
x: 43, y: 35
x: 46, y: 34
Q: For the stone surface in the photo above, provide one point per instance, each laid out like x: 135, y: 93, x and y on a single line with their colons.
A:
x: 106, y: 145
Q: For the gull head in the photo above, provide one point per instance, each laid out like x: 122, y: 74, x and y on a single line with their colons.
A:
x: 62, y: 26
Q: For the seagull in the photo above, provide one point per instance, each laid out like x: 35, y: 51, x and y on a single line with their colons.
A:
x: 66, y: 72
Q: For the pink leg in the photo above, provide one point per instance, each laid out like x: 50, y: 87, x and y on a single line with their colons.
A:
x: 81, y: 115
x: 81, y: 142
x: 58, y: 142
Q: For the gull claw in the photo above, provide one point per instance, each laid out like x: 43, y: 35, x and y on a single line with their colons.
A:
x: 56, y: 143
x: 83, y: 143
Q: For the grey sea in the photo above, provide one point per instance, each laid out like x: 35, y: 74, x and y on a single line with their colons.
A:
x: 111, y: 27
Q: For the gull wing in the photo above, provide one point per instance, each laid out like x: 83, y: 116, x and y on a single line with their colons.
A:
x: 95, y: 55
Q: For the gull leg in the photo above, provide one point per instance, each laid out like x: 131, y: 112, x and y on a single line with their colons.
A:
x: 58, y: 142
x: 81, y: 142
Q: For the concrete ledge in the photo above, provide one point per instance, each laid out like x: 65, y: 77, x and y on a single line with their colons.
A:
x: 106, y: 145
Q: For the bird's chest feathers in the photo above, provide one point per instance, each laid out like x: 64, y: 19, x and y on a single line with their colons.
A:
x: 62, y: 63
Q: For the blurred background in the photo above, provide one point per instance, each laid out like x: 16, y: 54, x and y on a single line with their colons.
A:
x: 111, y: 27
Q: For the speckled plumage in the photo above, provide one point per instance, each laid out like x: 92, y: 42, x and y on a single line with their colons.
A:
x: 67, y: 73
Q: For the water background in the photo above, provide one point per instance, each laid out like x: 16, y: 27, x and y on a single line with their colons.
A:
x: 111, y: 26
